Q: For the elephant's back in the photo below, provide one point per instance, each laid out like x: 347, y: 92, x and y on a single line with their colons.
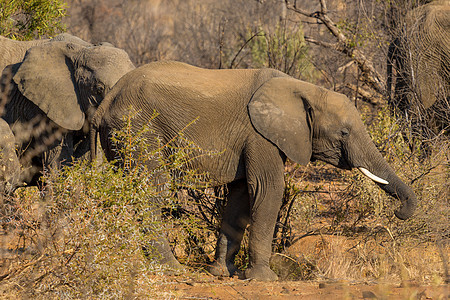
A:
x: 12, y: 51
x: 179, y: 90
x: 172, y: 78
x: 169, y: 86
x: 432, y: 16
x: 198, y: 102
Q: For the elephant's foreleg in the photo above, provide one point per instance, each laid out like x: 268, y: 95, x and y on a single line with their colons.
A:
x: 264, y: 212
x: 235, y: 220
x: 265, y: 178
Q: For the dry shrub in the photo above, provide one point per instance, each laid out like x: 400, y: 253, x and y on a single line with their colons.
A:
x: 83, y: 234
x: 428, y: 178
x: 83, y: 239
x: 208, y: 33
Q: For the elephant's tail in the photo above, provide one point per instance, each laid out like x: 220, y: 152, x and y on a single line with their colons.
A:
x: 392, y: 60
x: 93, y: 133
x: 95, y: 123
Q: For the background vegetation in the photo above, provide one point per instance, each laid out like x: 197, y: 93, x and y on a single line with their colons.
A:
x: 26, y: 20
x: 81, y: 235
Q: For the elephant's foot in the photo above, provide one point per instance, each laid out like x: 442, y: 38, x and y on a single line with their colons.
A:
x: 261, y: 273
x: 173, y: 268
x: 159, y: 251
x: 170, y: 262
x: 220, y: 269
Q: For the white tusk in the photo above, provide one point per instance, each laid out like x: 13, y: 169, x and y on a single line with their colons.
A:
x: 373, y: 177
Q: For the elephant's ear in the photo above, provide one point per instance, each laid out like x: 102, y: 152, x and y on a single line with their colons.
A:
x: 45, y: 77
x: 280, y: 114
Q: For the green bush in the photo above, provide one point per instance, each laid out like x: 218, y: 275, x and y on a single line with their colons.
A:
x: 283, y: 49
x: 27, y: 20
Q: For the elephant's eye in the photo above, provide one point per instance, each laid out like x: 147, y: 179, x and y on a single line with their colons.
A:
x: 345, y: 132
x: 99, y: 89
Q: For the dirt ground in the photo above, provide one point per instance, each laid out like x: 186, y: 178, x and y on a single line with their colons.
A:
x: 332, y: 249
x: 204, y: 286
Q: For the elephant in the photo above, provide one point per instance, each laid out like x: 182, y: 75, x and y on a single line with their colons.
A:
x: 50, y: 95
x: 9, y: 162
x: 418, y: 71
x: 12, y: 51
x: 254, y: 119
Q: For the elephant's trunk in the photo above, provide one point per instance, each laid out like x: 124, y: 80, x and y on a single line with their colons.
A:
x: 373, y: 165
x: 398, y: 189
x: 395, y: 187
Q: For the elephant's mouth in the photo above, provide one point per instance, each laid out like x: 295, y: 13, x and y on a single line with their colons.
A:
x: 333, y: 156
x: 340, y: 162
x: 343, y: 163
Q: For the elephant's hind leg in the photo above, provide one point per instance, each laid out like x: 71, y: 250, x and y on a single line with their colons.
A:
x: 234, y: 222
x: 157, y: 247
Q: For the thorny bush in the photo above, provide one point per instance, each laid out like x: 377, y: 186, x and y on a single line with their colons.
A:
x: 82, y: 233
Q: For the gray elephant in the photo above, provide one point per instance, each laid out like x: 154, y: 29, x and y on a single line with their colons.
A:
x: 255, y: 119
x: 12, y: 51
x: 50, y: 95
x: 418, y: 70
x: 9, y: 163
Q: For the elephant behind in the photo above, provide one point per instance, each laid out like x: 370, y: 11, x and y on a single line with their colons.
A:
x: 254, y: 120
x: 9, y: 163
x: 50, y: 95
x: 12, y: 51
x: 419, y: 68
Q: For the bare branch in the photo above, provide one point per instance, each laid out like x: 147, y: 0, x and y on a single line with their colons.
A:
x: 321, y: 43
x: 323, y: 6
x: 368, y: 72
x: 295, y: 9
x: 365, y: 95
x: 243, y: 46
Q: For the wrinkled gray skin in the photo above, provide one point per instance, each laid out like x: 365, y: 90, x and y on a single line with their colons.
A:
x: 418, y: 66
x: 9, y: 163
x: 50, y: 94
x: 258, y: 118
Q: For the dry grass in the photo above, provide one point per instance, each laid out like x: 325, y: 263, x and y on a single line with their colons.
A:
x: 81, y: 235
